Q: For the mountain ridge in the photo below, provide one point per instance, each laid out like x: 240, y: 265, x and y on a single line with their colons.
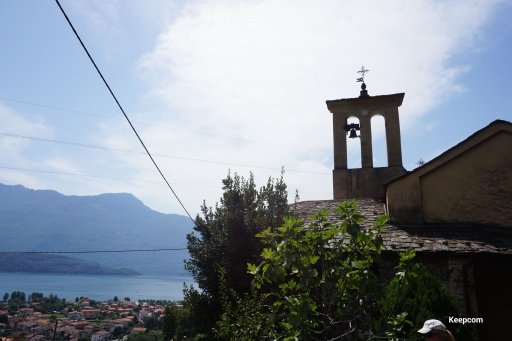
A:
x: 46, y: 220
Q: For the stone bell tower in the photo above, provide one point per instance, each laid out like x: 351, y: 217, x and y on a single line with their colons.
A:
x: 368, y: 181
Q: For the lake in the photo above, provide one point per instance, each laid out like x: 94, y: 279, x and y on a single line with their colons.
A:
x: 167, y: 287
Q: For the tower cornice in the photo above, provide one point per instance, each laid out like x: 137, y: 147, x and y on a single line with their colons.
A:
x: 365, y: 103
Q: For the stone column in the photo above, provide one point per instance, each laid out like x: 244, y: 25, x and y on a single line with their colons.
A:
x: 366, y: 140
x: 393, y: 137
x: 340, y: 140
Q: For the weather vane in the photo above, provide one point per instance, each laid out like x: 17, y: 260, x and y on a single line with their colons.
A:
x: 363, y: 92
x: 363, y: 71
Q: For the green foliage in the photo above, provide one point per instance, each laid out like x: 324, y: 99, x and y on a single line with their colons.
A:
x: 398, y: 327
x: 36, y: 296
x: 246, y: 318
x: 152, y: 336
x: 318, y: 282
x: 224, y: 241
x: 6, y: 296
x: 50, y: 304
x: 119, y: 331
x: 116, y: 299
x: 18, y: 297
x: 319, y: 278
x: 152, y: 323
x: 416, y: 291
x: 200, y: 313
x: 156, y: 302
x: 169, y: 323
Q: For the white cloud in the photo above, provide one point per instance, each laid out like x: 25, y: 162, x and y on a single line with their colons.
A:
x: 100, y: 15
x: 12, y: 148
x: 14, y: 123
x: 242, y: 85
x: 259, y: 72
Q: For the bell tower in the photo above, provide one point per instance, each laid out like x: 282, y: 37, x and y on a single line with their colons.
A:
x: 367, y: 181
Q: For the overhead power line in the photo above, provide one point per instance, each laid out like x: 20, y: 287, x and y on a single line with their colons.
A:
x: 75, y: 174
x: 167, y: 126
x: 84, y: 145
x: 99, y: 176
x: 95, y: 251
x: 53, y: 107
x: 69, y: 143
x: 122, y: 110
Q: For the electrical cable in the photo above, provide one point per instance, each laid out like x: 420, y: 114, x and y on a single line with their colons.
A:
x: 100, y: 176
x: 122, y: 110
x: 52, y: 107
x: 83, y: 145
x: 96, y: 251
x: 75, y: 174
x: 204, y: 133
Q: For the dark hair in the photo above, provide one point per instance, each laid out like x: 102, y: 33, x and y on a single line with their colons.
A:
x: 445, y: 335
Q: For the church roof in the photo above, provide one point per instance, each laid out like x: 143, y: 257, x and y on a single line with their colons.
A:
x: 450, y: 238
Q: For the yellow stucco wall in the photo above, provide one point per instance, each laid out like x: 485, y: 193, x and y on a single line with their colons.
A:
x: 470, y: 183
x: 474, y: 187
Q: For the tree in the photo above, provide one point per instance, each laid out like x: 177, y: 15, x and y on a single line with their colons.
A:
x: 418, y: 294
x: 18, y: 296
x: 169, y: 323
x: 16, y: 301
x: 224, y: 241
x: 6, y: 296
x: 51, y: 304
x: 152, y: 322
x: 152, y: 336
x: 318, y: 282
x: 118, y: 331
x: 115, y: 299
x: 319, y: 278
x: 37, y: 296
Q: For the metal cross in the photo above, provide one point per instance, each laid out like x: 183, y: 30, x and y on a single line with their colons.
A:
x: 362, y: 72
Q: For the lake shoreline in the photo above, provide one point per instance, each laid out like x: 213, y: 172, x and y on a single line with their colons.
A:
x: 97, y: 287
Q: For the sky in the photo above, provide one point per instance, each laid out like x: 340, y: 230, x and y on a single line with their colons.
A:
x: 235, y: 86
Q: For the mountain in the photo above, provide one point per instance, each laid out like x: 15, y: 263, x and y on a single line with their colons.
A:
x: 45, y: 220
x: 42, y: 263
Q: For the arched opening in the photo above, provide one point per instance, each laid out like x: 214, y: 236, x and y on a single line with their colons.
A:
x: 379, y: 146
x: 353, y: 146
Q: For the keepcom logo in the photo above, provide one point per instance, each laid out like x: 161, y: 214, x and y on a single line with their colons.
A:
x: 465, y: 320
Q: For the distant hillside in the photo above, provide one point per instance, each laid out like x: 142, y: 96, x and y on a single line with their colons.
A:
x: 41, y: 263
x: 45, y: 220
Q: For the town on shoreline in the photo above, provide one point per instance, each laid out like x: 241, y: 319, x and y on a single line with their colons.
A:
x: 39, y: 318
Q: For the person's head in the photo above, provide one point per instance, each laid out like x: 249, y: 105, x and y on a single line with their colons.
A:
x: 435, y: 330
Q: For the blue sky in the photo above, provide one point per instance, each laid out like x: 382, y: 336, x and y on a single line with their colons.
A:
x: 241, y: 85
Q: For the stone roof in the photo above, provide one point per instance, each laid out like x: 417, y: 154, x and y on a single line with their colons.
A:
x: 422, y: 238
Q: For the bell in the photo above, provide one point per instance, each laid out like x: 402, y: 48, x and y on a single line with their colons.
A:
x: 353, y: 133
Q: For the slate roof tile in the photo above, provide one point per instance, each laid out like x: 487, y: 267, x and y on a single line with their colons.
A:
x: 453, y: 238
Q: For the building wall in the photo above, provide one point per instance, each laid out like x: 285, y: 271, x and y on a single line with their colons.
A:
x: 470, y: 183
x: 475, y: 187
